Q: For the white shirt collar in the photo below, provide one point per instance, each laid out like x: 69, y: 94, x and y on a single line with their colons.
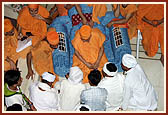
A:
x: 13, y: 90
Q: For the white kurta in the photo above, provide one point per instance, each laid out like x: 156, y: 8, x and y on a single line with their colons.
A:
x: 139, y: 93
x: 70, y: 95
x: 114, y: 87
x: 44, y: 100
x: 16, y: 99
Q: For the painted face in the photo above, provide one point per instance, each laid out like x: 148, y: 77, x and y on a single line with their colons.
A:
x: 10, y: 33
x: 33, y: 11
x: 85, y: 40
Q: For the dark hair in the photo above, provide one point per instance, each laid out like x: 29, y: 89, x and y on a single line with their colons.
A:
x: 14, y: 107
x: 44, y: 81
x: 12, y: 77
x: 94, y: 77
x: 111, y: 67
x: 83, y: 108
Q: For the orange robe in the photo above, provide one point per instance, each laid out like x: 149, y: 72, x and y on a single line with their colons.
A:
x: 99, y: 10
x: 132, y: 23
x: 61, y: 10
x: 42, y: 58
x: 29, y: 24
x: 89, y: 51
x: 10, y: 45
x: 152, y: 36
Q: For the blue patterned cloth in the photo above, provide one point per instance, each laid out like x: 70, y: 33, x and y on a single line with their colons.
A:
x: 61, y: 55
x: 125, y: 48
x: 85, y: 9
x: 110, y: 46
x: 95, y: 98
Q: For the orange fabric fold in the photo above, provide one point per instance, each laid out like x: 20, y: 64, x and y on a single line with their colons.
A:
x: 53, y: 37
x: 152, y: 36
x: 7, y: 25
x: 99, y: 10
x: 132, y: 23
x: 119, y: 25
x: 61, y: 10
x: 42, y: 58
x: 10, y: 45
x: 33, y: 6
x: 85, y: 31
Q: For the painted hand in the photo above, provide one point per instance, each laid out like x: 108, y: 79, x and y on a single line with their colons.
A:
x: 37, y: 16
x: 30, y: 74
x: 91, y: 23
x: 108, y: 25
x: 90, y: 66
x: 84, y: 22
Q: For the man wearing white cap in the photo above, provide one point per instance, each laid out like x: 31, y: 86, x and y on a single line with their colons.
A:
x: 139, y: 93
x: 113, y: 82
x: 43, y: 96
x: 70, y: 89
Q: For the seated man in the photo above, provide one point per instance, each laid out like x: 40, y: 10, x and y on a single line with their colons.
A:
x: 32, y: 21
x: 151, y: 24
x: 42, y: 55
x: 89, y: 50
x: 128, y: 11
x: 70, y: 89
x: 12, y: 91
x: 95, y: 97
x: 139, y: 93
x: 61, y: 55
x: 10, y: 45
x: 42, y: 95
x: 113, y: 82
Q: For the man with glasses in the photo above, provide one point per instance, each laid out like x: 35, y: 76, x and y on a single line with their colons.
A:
x: 32, y: 21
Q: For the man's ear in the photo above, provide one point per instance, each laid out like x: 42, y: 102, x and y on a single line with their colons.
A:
x: 15, y: 85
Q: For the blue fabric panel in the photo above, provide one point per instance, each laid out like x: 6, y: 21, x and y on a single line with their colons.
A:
x: 118, y: 52
x: 61, y: 59
x: 72, y: 35
x: 62, y: 21
x: 107, y: 18
x: 85, y: 9
x: 121, y: 50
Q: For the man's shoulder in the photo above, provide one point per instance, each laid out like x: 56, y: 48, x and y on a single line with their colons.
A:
x: 33, y: 86
x: 103, y: 90
x: 64, y: 82
x: 120, y: 75
x: 94, y: 89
